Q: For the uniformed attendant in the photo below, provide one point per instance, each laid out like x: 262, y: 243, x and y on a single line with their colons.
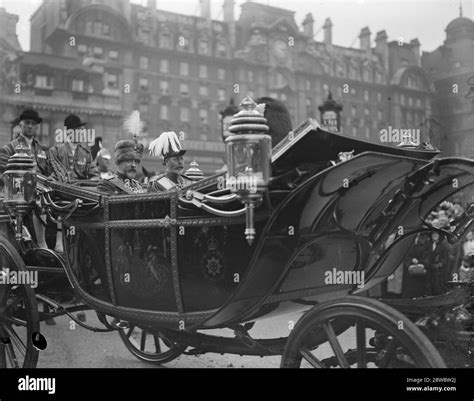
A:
x: 128, y: 156
x: 167, y: 146
x: 29, y: 121
x: 70, y: 160
x: 28, y: 124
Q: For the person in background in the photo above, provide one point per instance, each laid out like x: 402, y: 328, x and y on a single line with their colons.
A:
x: 103, y: 164
x: 128, y: 156
x: 415, y: 265
x: 167, y: 146
x: 437, y: 264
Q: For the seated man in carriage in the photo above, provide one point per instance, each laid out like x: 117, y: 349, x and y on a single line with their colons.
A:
x: 167, y: 146
x: 128, y: 156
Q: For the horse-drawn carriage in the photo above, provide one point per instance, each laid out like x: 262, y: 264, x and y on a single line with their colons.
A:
x: 169, y: 266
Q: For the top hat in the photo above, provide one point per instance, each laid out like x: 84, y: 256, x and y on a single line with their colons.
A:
x: 72, y: 122
x: 30, y: 114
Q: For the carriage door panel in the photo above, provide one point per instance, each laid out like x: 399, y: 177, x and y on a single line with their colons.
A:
x: 140, y: 256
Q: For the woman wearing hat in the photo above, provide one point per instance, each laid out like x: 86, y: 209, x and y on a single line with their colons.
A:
x: 167, y: 146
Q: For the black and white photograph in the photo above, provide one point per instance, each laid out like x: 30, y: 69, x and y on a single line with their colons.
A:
x: 236, y: 186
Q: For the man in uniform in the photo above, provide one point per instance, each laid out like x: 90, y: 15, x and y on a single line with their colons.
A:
x: 70, y: 160
x: 28, y: 123
x: 128, y: 156
x: 167, y: 146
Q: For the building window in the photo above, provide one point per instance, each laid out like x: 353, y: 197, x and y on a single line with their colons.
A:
x: 221, y: 74
x: 113, y: 54
x: 184, y: 69
x: 42, y: 81
x: 379, y: 97
x: 251, y: 94
x: 164, y: 66
x: 203, y: 71
x: 98, y: 51
x: 367, y: 132
x: 354, y: 111
x: 354, y: 131
x: 112, y: 81
x: 183, y: 43
x: 221, y: 50
x: 410, y: 102
x: 165, y: 41
x: 184, y: 89
x: 203, y: 91
x: 164, y: 112
x: 307, y: 85
x: 367, y: 111
x: 379, y: 115
x: 78, y: 85
x: 82, y: 48
x: 143, y: 84
x: 250, y: 76
x: 203, y: 116
x: 164, y: 87
x: 144, y: 61
x: 402, y: 99
x: 184, y: 114
x: 203, y: 47
x: 366, y: 95
x: 106, y: 29
x: 221, y: 95
x: 418, y: 102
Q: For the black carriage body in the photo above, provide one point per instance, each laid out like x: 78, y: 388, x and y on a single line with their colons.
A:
x: 161, y: 263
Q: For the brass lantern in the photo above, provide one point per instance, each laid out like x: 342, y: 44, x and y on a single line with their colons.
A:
x: 20, y: 186
x: 248, y: 159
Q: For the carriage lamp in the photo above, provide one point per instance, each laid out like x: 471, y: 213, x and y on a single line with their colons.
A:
x: 248, y: 152
x: 193, y: 172
x: 20, y: 186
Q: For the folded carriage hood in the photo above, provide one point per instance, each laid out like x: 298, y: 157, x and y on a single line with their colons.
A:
x: 366, y: 198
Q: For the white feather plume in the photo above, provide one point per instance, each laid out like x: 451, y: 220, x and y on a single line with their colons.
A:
x: 161, y: 145
x: 133, y: 125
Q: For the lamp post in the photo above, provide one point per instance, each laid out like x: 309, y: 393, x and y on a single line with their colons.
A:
x: 330, y: 112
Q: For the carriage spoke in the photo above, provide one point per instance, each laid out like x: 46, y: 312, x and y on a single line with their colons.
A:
x: 12, y: 356
x: 335, y: 345
x: 130, y: 331
x: 143, y: 341
x: 389, y: 353
x: 361, y: 344
x: 16, y: 339
x: 157, y: 344
x: 308, y: 356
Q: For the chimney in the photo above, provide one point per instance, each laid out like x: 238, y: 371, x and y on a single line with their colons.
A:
x: 205, y: 9
x: 229, y: 19
x: 415, y: 46
x: 327, y: 31
x: 364, y: 38
x: 381, y: 47
x: 308, y: 26
x: 151, y: 4
x: 8, y: 29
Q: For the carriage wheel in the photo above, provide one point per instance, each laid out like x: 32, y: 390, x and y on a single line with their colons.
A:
x: 19, y: 317
x: 153, y: 347
x: 378, y: 336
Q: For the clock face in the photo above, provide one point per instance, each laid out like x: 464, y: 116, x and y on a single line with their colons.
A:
x: 280, y: 49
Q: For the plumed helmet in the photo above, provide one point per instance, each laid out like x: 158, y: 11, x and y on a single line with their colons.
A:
x: 166, y: 145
